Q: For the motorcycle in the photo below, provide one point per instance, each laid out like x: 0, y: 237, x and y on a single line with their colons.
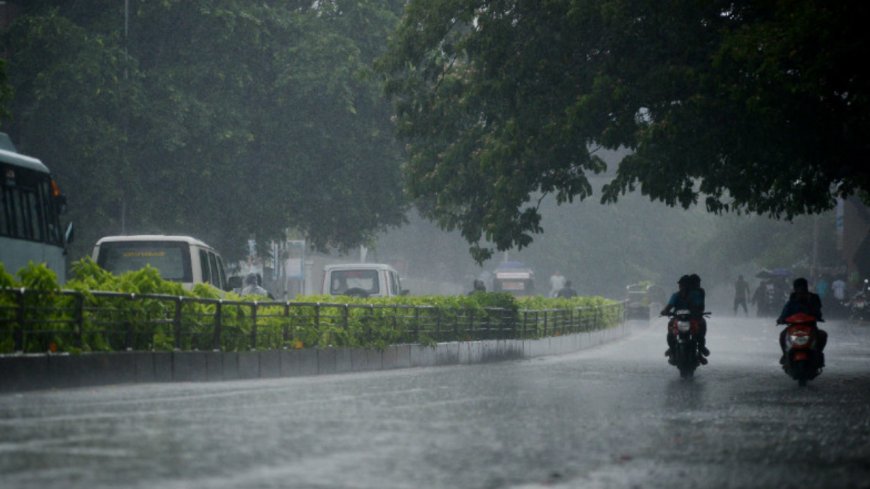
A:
x: 685, y: 326
x: 802, y: 359
x: 859, y: 305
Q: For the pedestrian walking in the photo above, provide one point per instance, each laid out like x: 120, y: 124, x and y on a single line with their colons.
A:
x: 557, y: 283
x: 759, y: 298
x: 741, y: 292
x: 822, y: 287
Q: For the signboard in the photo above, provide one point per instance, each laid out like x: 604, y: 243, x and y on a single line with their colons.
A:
x: 513, y: 275
x: 510, y: 285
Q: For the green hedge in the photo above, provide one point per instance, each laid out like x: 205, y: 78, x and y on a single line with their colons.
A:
x: 87, y: 321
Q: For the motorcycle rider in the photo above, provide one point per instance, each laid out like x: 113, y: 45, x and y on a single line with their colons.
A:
x: 477, y: 286
x: 567, y: 291
x: 802, y: 300
x: 695, y: 285
x: 689, y: 296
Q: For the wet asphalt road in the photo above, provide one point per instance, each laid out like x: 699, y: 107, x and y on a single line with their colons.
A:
x: 615, y: 416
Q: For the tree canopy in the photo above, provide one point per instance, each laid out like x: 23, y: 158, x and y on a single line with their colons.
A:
x: 216, y: 118
x: 757, y: 106
x: 5, y: 91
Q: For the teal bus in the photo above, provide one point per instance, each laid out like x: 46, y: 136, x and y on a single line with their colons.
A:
x: 30, y: 207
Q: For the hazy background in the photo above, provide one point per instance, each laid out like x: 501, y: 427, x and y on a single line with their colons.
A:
x: 603, y: 248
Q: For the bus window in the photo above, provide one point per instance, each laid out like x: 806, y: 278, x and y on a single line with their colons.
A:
x: 26, y: 209
x: 222, y: 273
x: 215, y: 275
x: 5, y: 218
x: 203, y: 262
x: 17, y: 208
x: 34, y: 223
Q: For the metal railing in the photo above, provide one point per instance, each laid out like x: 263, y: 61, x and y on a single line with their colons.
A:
x: 40, y: 321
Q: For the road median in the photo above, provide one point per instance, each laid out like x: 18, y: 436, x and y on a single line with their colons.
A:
x: 27, y: 372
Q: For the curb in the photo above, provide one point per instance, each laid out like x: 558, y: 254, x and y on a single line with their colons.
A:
x: 46, y: 371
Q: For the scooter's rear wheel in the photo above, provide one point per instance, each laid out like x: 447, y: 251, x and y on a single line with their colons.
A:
x: 801, y: 373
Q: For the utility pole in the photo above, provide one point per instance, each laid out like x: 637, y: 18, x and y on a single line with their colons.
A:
x: 815, y: 257
x: 125, y: 116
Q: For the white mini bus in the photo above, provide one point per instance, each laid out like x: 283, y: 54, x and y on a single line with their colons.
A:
x: 178, y: 258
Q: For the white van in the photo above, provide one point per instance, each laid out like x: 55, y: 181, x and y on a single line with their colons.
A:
x: 178, y: 258
x: 362, y: 279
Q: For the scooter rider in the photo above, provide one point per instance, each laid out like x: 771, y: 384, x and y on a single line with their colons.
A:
x: 689, y: 296
x: 802, y: 300
x: 252, y: 287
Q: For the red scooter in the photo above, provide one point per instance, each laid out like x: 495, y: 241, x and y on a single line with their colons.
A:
x: 802, y: 359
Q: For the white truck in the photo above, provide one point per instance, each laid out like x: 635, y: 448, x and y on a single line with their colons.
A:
x: 362, y: 280
x: 514, y: 278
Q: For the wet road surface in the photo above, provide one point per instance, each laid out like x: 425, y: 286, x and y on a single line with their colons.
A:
x: 615, y: 416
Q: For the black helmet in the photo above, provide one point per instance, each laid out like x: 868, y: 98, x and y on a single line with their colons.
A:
x: 684, y: 281
x: 801, y: 284
x: 695, y: 281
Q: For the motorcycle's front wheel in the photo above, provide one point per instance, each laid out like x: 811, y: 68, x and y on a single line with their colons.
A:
x: 686, y: 360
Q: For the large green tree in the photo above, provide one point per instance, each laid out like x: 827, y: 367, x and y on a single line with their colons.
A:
x: 756, y: 106
x: 217, y: 118
x: 5, y: 91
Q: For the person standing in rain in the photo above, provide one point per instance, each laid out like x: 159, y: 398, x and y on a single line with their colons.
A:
x: 741, y: 292
x: 567, y: 291
x: 759, y: 298
x: 838, y: 288
x: 557, y: 283
x: 477, y: 286
x: 822, y: 287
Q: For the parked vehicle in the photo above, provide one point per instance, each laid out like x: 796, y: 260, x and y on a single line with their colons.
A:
x: 802, y: 359
x: 178, y: 258
x: 637, y: 302
x: 859, y: 304
x: 515, y: 278
x: 685, y: 326
x: 30, y: 207
x: 362, y: 280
